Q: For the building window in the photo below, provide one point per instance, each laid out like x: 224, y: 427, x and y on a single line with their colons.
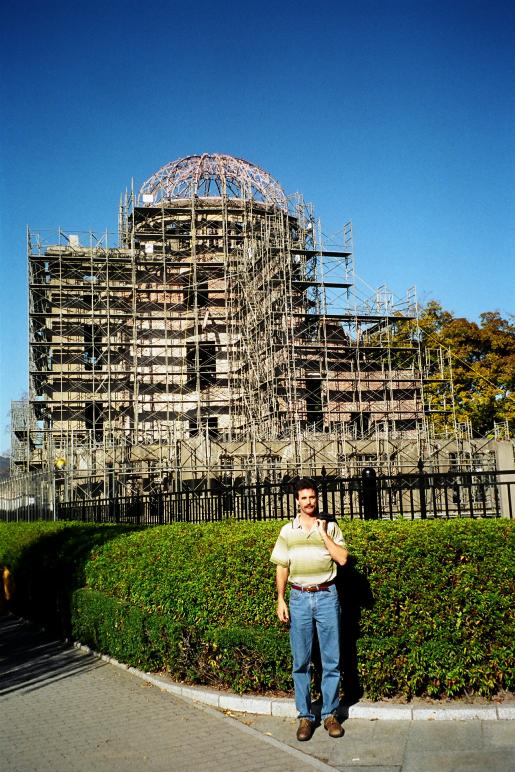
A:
x: 314, y: 413
x: 361, y: 420
x: 203, y: 369
x: 209, y: 423
x: 92, y: 346
x: 196, y: 294
x: 94, y: 419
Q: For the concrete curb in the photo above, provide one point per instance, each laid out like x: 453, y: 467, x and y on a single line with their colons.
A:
x: 285, y: 707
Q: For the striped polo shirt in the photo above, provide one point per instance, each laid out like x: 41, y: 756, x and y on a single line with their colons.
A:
x: 305, y: 554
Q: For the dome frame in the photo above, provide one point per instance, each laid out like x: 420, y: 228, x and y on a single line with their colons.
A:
x: 212, y: 176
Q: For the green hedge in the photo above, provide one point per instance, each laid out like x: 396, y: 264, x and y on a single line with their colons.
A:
x: 243, y: 658
x: 427, y: 607
x: 46, y: 560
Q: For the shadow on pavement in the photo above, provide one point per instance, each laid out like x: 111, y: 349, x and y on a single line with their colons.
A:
x: 30, y: 658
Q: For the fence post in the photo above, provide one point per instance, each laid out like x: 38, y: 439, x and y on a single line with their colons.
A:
x: 112, y: 510
x: 325, y: 504
x: 369, y: 494
x: 258, y: 499
x: 160, y: 507
x: 187, y: 504
x: 422, y: 488
x: 138, y: 507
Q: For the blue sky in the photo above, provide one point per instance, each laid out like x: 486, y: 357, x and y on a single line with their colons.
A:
x: 399, y: 116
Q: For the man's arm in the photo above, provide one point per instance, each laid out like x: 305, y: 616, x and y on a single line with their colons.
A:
x: 281, y: 579
x: 338, y: 553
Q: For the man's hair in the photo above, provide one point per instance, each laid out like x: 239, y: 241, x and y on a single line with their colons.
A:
x: 304, y: 483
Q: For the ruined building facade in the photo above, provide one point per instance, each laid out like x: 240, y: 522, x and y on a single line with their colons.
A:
x: 220, y: 333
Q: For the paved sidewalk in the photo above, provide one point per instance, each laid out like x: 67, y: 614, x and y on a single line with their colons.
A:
x: 405, y: 745
x: 63, y: 708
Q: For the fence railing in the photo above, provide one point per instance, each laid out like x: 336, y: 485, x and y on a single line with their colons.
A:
x: 410, y: 496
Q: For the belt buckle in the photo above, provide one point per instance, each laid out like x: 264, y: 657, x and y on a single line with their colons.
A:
x: 312, y: 588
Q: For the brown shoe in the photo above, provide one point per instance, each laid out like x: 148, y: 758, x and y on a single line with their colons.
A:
x: 305, y: 729
x: 333, y: 727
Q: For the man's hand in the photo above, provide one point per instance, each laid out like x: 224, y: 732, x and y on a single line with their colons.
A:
x: 282, y: 611
x: 281, y: 579
x: 337, y: 552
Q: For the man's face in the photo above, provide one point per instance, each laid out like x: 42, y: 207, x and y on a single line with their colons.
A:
x: 308, y: 501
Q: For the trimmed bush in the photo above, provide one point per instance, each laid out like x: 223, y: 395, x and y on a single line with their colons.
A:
x: 46, y: 561
x: 427, y: 606
x: 127, y: 632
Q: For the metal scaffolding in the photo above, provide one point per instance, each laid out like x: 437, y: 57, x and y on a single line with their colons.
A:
x: 218, y: 334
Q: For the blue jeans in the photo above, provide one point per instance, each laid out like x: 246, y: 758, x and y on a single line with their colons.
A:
x: 322, y: 609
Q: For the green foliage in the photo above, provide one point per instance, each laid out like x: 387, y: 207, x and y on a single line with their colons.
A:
x: 203, y: 575
x: 427, y: 606
x: 482, y: 358
x: 244, y: 658
x: 443, y: 611
x: 127, y: 632
x: 249, y: 659
x: 47, y: 560
x: 15, y: 538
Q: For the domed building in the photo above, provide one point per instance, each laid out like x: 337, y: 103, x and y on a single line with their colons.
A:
x: 231, y: 266
x: 217, y: 337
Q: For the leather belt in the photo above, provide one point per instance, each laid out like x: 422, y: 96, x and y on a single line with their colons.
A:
x: 313, y: 588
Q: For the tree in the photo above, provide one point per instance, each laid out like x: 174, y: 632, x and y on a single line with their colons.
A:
x: 481, y: 362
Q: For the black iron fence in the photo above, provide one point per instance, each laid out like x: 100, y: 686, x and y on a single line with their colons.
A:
x: 412, y: 496
x: 418, y: 495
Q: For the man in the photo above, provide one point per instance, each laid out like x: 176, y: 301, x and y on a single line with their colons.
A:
x: 306, y: 555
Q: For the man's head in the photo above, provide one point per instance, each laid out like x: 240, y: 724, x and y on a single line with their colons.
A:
x: 306, y: 493
x: 305, y: 483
